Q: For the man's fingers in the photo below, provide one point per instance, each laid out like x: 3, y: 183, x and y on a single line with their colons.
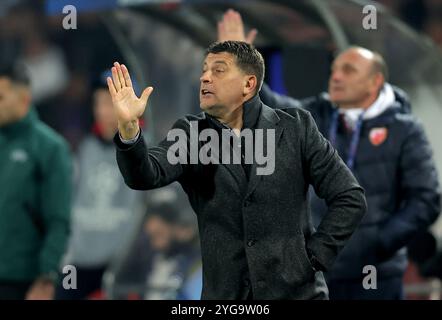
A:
x: 230, y: 11
x: 229, y: 21
x: 221, y: 32
x: 227, y: 15
x: 231, y: 14
x: 126, y: 76
x: 237, y: 20
x: 146, y: 93
x: 234, y: 27
x: 236, y: 17
x: 120, y: 75
x: 116, y: 79
x: 251, y: 36
x: 220, y: 27
x: 231, y: 27
x: 111, y: 87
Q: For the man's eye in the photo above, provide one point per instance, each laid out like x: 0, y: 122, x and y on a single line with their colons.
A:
x: 348, y: 70
x: 219, y: 70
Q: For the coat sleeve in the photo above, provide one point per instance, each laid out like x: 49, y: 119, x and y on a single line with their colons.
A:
x: 55, y: 206
x: 146, y: 168
x: 335, y: 183
x: 419, y: 194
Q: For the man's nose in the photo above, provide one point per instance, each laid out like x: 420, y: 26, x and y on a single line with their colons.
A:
x: 336, y: 76
x: 205, y: 77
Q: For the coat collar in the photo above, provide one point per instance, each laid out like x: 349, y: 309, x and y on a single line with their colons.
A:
x: 251, y: 113
x: 17, y: 127
x: 256, y: 116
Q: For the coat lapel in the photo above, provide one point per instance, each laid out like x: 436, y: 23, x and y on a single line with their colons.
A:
x: 235, y: 170
x: 268, y: 120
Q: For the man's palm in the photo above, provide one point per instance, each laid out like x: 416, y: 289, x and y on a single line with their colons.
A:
x: 128, y: 106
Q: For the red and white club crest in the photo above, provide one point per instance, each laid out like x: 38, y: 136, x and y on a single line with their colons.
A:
x: 378, y: 135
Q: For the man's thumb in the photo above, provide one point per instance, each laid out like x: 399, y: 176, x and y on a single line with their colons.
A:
x: 146, y: 93
x: 251, y: 36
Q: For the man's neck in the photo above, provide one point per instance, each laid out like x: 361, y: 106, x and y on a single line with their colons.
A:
x: 233, y: 119
x: 17, y: 119
x: 367, y: 103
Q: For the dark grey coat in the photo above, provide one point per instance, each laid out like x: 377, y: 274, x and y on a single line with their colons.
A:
x: 258, y: 234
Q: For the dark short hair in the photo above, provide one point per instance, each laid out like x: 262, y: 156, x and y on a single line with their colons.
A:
x: 248, y: 59
x: 16, y: 73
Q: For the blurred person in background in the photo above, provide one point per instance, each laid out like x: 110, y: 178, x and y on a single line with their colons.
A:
x: 36, y: 183
x: 44, y: 59
x: 369, y: 122
x: 175, y: 271
x: 105, y: 211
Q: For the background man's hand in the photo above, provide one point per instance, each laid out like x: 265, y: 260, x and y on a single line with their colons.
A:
x: 128, y: 107
x: 41, y: 289
x: 231, y: 27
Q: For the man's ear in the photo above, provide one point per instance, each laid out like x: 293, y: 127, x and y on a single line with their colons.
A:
x: 250, y: 84
x: 378, y: 80
x: 24, y: 95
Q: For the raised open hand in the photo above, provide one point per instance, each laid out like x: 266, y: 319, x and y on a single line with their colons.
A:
x: 128, y: 107
x: 231, y: 27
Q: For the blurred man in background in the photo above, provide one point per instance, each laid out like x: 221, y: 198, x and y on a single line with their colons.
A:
x: 176, y: 271
x: 35, y: 180
x: 369, y: 123
x: 105, y: 211
x: 164, y: 260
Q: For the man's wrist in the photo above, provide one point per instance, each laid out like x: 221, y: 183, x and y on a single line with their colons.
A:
x: 129, y: 130
x: 131, y: 141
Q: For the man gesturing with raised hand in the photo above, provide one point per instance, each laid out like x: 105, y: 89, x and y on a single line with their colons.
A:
x: 257, y: 238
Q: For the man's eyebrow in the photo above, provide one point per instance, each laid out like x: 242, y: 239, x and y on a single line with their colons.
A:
x: 205, y: 64
x: 344, y: 65
x: 220, y: 62
x: 349, y: 65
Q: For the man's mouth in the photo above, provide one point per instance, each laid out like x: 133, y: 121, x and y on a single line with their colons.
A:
x: 337, y: 88
x: 205, y: 92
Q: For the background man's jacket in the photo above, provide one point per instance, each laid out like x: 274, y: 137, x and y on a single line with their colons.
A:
x: 259, y: 232
x: 399, y: 178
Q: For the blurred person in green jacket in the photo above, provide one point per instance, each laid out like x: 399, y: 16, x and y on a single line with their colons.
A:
x: 35, y: 191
